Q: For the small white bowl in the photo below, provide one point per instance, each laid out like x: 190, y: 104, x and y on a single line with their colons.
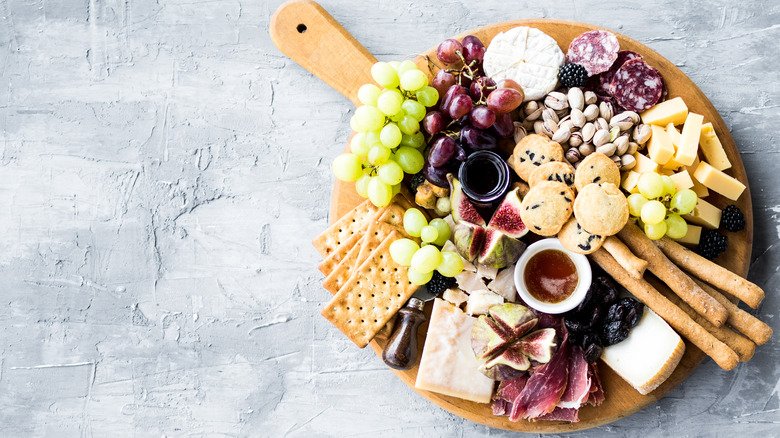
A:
x: 584, y: 275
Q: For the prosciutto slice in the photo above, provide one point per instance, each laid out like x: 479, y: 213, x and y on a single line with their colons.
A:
x: 544, y: 388
x: 579, y: 383
x: 596, y: 396
x: 562, y: 414
x: 507, y: 391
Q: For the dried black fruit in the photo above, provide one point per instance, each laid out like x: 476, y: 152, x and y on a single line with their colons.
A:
x: 592, y: 352
x: 614, y: 332
x: 574, y: 325
x: 591, y: 338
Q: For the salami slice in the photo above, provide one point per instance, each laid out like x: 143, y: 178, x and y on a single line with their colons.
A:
x: 601, y: 86
x: 636, y: 86
x: 595, y: 50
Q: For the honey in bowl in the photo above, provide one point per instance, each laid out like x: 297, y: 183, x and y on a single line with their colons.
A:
x: 550, y: 276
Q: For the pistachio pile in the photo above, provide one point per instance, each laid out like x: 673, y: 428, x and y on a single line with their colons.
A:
x: 580, y: 124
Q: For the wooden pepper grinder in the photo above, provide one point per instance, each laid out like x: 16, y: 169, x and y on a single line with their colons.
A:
x: 401, y: 350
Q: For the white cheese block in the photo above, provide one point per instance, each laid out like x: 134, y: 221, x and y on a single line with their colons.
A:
x: 504, y: 284
x: 469, y: 281
x: 448, y: 365
x: 455, y: 296
x: 481, y: 300
x: 648, y: 356
x: 526, y: 55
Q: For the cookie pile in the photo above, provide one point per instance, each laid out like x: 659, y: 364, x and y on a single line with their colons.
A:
x: 581, y: 206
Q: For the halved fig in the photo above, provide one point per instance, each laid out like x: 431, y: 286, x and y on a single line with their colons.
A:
x: 538, y: 345
x: 469, y: 239
x: 462, y: 208
x: 507, y: 217
x: 500, y: 250
x: 510, y: 364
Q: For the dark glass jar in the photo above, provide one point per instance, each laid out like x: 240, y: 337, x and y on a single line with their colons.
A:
x: 485, y: 178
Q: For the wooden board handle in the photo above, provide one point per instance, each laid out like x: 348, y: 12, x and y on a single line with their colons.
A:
x: 305, y: 32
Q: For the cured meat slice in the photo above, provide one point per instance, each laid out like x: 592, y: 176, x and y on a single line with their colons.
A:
x: 600, y: 83
x: 595, y: 50
x: 508, y: 391
x: 636, y: 86
x: 544, y: 388
x: 562, y: 414
x: 596, y: 396
x: 579, y: 383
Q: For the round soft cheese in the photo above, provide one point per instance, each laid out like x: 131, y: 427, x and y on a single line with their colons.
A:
x: 526, y: 55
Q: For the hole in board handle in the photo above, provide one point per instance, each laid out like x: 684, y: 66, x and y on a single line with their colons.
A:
x: 301, y: 28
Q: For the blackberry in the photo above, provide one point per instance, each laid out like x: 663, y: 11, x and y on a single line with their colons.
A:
x: 573, y: 75
x: 440, y: 283
x: 711, y: 244
x: 417, y: 180
x: 733, y: 219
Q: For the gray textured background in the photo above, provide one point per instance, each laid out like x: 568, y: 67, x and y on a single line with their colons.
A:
x: 163, y: 168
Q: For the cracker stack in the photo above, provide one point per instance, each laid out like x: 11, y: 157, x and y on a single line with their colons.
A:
x: 368, y: 286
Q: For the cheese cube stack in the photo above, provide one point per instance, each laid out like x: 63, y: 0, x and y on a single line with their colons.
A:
x: 718, y: 181
x: 648, y: 356
x: 705, y: 214
x: 712, y: 148
x: 689, y: 139
x: 448, y: 365
x: 671, y: 111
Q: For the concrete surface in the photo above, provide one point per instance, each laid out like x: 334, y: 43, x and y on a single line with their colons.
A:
x: 163, y: 168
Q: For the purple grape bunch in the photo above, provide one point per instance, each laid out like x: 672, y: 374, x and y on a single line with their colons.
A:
x: 473, y: 112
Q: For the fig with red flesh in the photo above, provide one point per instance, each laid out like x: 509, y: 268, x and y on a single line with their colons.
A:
x: 462, y: 208
x: 507, y: 217
x: 500, y: 250
x: 504, y: 343
x: 469, y: 240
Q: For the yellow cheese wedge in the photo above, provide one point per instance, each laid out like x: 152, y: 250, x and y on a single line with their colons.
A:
x: 448, y: 365
x: 689, y: 139
x: 644, y: 164
x: 682, y: 180
x: 718, y: 181
x: 660, y: 148
x: 648, y: 356
x: 671, y: 111
x: 674, y: 135
x: 705, y: 214
x: 667, y: 172
x: 692, y: 236
x: 712, y: 148
x: 699, y: 188
x: 672, y: 165
x: 630, y: 180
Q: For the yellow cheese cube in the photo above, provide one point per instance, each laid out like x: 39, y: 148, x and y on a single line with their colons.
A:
x: 689, y: 139
x: 692, y: 236
x: 660, y: 148
x: 630, y: 180
x: 644, y: 164
x: 699, y: 188
x: 671, y: 164
x: 667, y: 172
x: 673, y: 110
x: 718, y: 181
x: 705, y: 214
x: 674, y: 135
x: 682, y: 180
x: 712, y: 148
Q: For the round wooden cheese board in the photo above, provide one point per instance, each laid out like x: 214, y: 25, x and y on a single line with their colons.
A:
x: 305, y: 32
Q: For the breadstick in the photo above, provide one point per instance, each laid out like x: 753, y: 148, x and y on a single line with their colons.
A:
x: 724, y: 356
x: 711, y: 272
x: 745, y: 323
x: 670, y: 274
x: 620, y: 252
x: 741, y: 345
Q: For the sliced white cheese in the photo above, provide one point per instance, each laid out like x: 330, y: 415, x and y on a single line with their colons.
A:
x: 469, y: 281
x: 487, y: 272
x: 648, y: 356
x: 481, y: 300
x: 455, y: 296
x: 448, y: 365
x: 526, y: 55
x: 504, y: 284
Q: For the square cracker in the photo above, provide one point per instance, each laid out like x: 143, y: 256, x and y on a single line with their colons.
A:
x: 344, y: 228
x: 331, y: 261
x: 374, y: 293
x: 373, y: 237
